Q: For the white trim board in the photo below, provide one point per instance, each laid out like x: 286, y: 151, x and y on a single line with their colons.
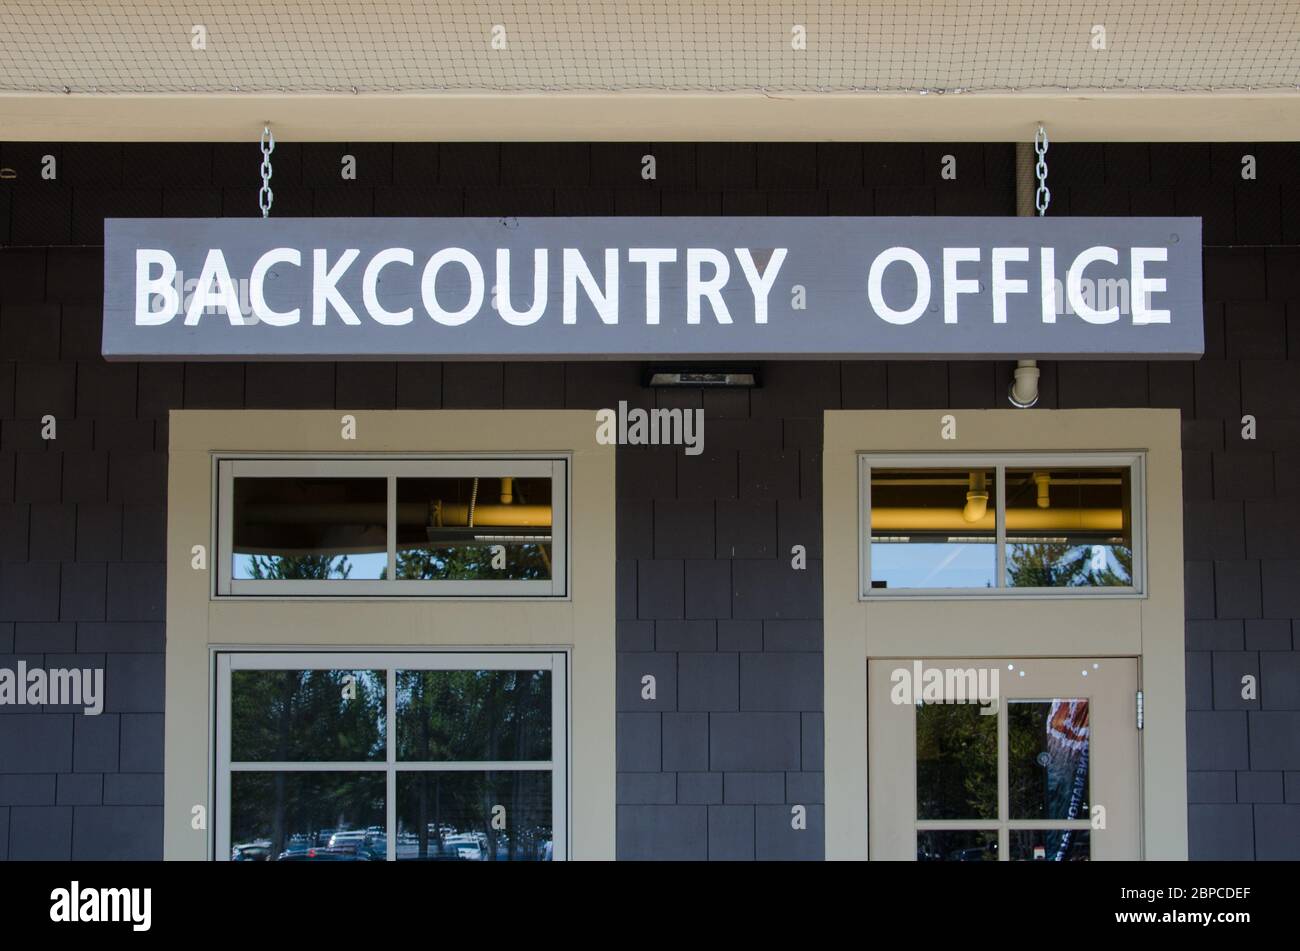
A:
x: 1075, y: 116
x: 198, y: 624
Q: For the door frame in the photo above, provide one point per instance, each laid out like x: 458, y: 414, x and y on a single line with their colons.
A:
x: 1148, y: 628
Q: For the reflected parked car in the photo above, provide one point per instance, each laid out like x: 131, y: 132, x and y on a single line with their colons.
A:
x: 251, y: 852
x: 977, y: 854
x: 345, y: 854
x: 465, y: 845
x: 348, y: 838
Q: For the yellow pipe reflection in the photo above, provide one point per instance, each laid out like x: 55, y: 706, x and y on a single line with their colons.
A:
x: 454, y: 514
x: 901, y: 520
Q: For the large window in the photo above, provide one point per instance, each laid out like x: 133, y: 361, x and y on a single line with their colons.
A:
x: 395, y: 756
x: 1001, y: 524
x: 428, y: 527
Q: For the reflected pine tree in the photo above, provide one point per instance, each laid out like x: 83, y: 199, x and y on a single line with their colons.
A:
x: 462, y: 715
x: 1062, y: 565
x: 298, y: 567
x: 525, y: 562
x: 956, y: 762
x: 476, y: 716
x: 306, y: 716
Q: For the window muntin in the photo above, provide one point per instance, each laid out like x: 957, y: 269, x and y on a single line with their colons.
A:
x: 474, y: 767
x: 458, y: 527
x: 1006, y: 524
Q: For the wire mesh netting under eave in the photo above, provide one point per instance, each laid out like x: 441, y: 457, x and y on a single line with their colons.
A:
x: 892, y: 45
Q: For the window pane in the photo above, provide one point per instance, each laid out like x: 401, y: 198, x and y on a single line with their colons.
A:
x: 473, y: 715
x: 309, y: 528
x: 307, y: 715
x: 933, y: 528
x: 474, y: 529
x: 1069, y: 528
x: 490, y: 817
x: 956, y: 762
x: 308, y: 816
x: 1050, y: 845
x: 957, y: 845
x: 1047, y: 759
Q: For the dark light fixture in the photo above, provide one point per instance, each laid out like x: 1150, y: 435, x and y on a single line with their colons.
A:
x: 702, y: 377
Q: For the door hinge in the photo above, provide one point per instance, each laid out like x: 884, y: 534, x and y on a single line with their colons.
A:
x: 1139, y: 709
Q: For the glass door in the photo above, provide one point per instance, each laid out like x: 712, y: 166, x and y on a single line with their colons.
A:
x: 1004, y: 760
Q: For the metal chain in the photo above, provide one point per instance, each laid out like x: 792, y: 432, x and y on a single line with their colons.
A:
x: 1044, y: 197
x: 266, y: 196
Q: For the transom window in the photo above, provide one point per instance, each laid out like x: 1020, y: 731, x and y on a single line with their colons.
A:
x: 428, y: 527
x: 353, y: 756
x: 966, y: 524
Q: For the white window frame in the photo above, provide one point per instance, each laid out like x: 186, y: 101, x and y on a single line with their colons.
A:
x: 557, y: 662
x: 228, y: 467
x: 1000, y: 462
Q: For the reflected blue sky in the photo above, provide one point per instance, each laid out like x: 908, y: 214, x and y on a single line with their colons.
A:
x: 934, y: 564
x: 366, y: 566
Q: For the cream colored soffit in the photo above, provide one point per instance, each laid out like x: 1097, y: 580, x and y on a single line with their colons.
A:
x: 650, y: 70
x: 402, y: 46
x: 1262, y: 116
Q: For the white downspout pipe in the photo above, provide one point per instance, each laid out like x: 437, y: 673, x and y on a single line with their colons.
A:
x: 1023, y: 392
